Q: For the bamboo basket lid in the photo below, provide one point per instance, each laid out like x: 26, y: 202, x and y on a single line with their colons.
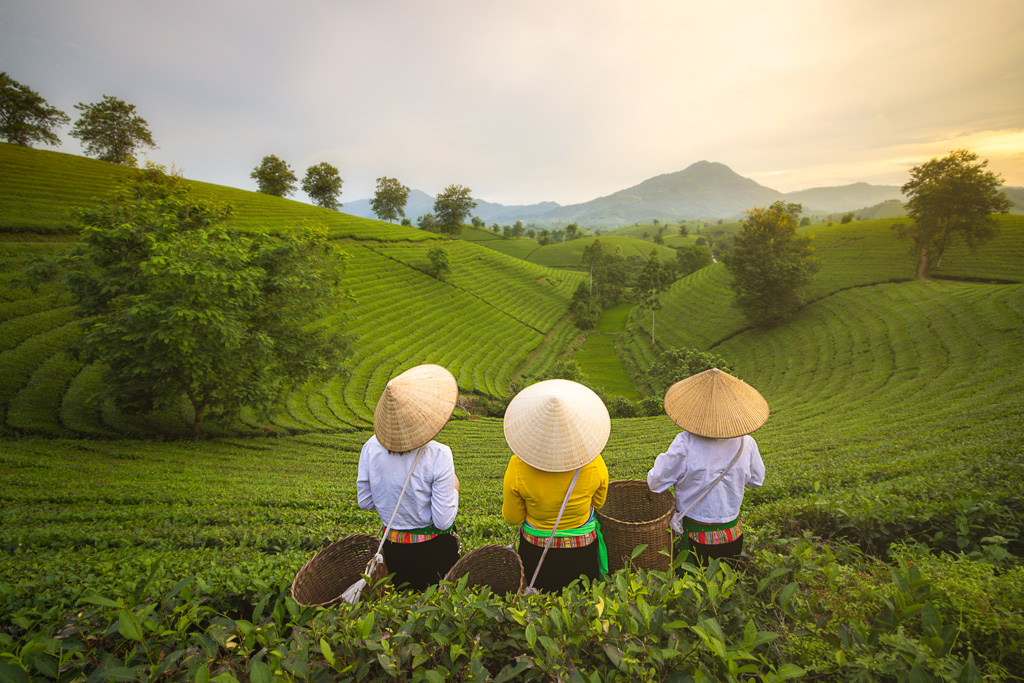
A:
x: 414, y: 407
x: 716, y: 405
x: 557, y: 425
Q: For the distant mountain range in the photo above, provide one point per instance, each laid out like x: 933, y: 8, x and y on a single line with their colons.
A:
x: 703, y: 190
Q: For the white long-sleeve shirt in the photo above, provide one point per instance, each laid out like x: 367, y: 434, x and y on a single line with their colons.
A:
x: 431, y: 497
x: 692, y: 462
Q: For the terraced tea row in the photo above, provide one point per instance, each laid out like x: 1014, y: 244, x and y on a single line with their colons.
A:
x: 924, y: 405
x: 697, y: 310
x: 483, y: 324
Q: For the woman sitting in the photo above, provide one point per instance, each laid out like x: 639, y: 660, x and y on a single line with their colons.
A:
x: 711, y: 462
x: 556, y: 476
x: 400, y: 457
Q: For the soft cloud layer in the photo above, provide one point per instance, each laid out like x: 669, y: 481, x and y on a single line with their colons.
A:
x: 540, y: 100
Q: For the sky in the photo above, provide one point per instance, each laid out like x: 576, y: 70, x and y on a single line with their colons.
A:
x: 539, y: 100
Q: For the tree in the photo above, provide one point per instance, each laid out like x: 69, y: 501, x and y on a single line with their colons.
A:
x: 847, y: 217
x: 652, y: 281
x: 683, y: 230
x: 478, y: 222
x: 389, y: 200
x: 692, y: 258
x: 769, y: 262
x: 571, y: 232
x: 173, y: 304
x: 440, y: 265
x: 274, y: 177
x: 593, y: 255
x: 322, y: 183
x: 451, y: 208
x: 805, y: 221
x: 951, y: 199
x: 679, y: 363
x: 111, y: 130
x: 426, y: 221
x: 25, y: 117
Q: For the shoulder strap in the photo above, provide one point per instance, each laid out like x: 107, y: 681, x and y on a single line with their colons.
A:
x: 551, y: 538
x: 399, y: 503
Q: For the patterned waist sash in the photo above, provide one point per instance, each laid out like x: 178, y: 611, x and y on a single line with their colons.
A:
x: 427, y: 533
x: 712, y: 534
x: 571, y: 538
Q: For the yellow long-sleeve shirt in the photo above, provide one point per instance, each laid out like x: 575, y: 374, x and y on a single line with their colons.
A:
x: 536, y: 496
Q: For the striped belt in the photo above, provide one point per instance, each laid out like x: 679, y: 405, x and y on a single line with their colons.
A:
x: 717, y: 536
x: 399, y: 536
x: 561, y: 541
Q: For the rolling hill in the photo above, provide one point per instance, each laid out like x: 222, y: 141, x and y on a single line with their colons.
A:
x: 892, y: 506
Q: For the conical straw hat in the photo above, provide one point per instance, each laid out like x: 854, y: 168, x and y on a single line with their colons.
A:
x: 716, y: 405
x: 557, y: 425
x: 414, y: 407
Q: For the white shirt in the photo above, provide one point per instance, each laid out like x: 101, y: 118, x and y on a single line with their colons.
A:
x: 692, y: 462
x: 431, y: 497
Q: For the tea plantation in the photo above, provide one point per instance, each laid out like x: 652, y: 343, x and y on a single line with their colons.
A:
x: 885, y: 545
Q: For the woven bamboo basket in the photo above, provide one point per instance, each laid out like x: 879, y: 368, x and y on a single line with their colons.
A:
x: 496, y: 566
x: 633, y: 515
x: 330, y: 572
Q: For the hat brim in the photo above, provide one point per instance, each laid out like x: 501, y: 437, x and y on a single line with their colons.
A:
x: 414, y: 407
x: 557, y: 425
x: 716, y: 405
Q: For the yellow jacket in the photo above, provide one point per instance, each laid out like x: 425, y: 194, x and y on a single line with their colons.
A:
x: 536, y: 496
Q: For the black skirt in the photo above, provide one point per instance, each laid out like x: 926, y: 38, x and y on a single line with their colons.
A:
x: 561, y: 565
x: 418, y: 565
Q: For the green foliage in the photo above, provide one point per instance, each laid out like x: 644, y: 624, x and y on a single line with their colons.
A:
x: 175, y: 305
x: 769, y: 263
x: 451, y: 207
x: 678, y: 363
x: 322, y: 183
x: 440, y: 265
x: 274, y: 176
x: 389, y: 200
x: 111, y: 130
x: 951, y: 199
x: 25, y: 116
x: 692, y: 258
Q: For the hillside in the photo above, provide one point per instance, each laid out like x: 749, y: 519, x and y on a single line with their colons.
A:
x: 400, y: 315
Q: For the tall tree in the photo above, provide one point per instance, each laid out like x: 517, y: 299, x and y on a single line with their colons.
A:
x: 451, y: 208
x: 322, y: 183
x: 390, y: 199
x: 951, y: 199
x: 25, y: 117
x: 593, y: 255
x: 769, y: 262
x: 111, y: 130
x: 175, y: 305
x: 274, y: 176
x: 653, y: 280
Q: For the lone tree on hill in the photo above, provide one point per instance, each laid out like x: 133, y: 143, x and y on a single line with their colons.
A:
x: 390, y: 199
x: 273, y: 176
x: 769, y: 262
x: 175, y: 305
x: 950, y: 198
x: 653, y: 279
x: 25, y: 117
x: 451, y: 208
x: 111, y: 130
x: 322, y: 183
x: 440, y: 265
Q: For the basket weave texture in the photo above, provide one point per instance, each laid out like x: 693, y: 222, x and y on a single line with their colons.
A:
x: 634, y: 515
x: 330, y: 572
x: 495, y: 566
